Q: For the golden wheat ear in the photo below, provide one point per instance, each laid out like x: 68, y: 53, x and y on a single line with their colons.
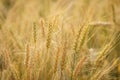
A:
x: 42, y: 27
x: 27, y: 56
x: 34, y: 33
x: 56, y: 60
x: 49, y: 35
x: 78, y: 67
x: 109, y: 47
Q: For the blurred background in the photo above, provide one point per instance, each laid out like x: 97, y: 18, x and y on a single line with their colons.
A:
x: 17, y: 17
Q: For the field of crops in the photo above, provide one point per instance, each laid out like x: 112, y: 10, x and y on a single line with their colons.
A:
x: 59, y: 39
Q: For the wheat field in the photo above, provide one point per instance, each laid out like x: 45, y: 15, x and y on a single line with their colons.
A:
x: 59, y: 39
